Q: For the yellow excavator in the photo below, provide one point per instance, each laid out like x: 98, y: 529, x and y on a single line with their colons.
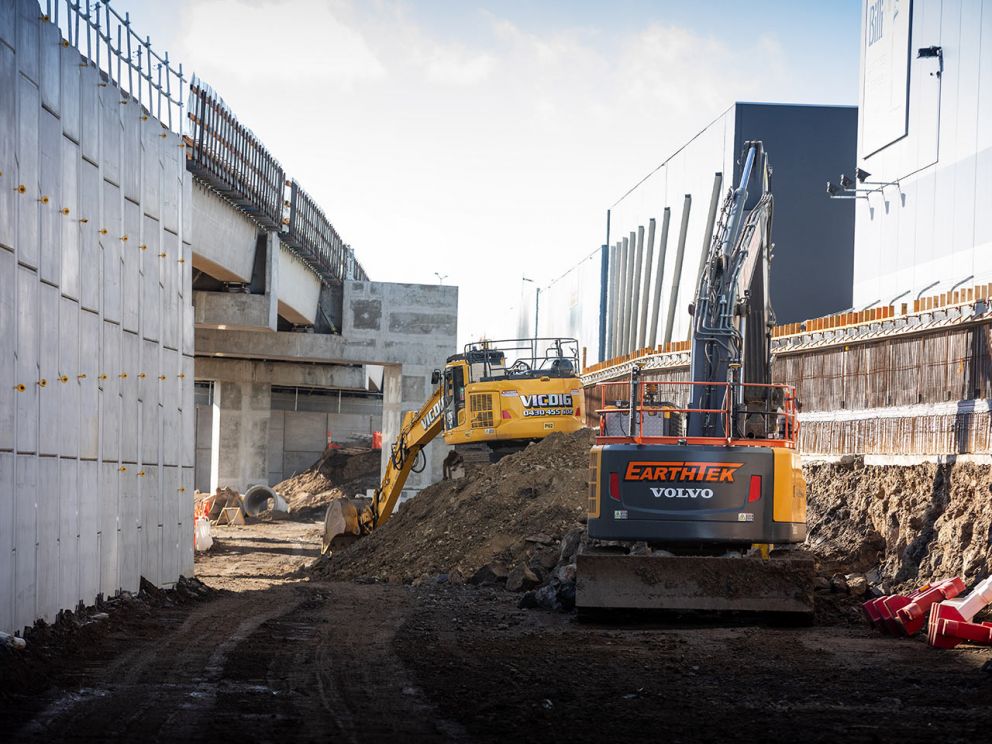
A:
x: 491, y: 400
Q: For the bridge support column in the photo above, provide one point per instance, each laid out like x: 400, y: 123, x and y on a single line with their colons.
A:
x: 240, y: 435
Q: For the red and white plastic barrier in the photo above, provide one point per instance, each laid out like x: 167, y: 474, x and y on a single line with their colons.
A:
x: 904, y: 614
x: 951, y: 621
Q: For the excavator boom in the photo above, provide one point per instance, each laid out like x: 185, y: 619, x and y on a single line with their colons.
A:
x: 348, y: 519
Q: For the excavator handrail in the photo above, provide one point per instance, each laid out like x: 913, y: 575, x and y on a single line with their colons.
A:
x: 788, y: 413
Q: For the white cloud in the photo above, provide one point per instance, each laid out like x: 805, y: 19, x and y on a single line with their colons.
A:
x: 293, y: 43
x: 457, y: 67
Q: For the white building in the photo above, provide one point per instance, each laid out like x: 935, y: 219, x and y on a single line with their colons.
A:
x: 924, y: 214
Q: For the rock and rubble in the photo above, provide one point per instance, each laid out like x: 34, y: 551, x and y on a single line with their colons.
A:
x: 900, y: 525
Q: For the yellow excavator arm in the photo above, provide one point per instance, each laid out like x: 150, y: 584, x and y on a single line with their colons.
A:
x: 418, y: 429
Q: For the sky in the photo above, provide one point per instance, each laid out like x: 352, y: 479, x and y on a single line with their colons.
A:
x: 482, y: 142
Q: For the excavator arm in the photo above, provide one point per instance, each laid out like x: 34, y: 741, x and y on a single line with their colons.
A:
x: 348, y: 519
x: 418, y: 430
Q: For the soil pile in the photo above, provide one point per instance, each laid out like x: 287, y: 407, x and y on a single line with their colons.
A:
x: 340, y: 472
x: 506, y: 518
x: 901, y: 525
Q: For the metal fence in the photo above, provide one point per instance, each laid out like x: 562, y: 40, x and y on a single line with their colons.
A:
x: 231, y: 159
x: 313, y: 238
x: 106, y: 38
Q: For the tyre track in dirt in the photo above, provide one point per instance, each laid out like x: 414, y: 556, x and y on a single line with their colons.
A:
x: 296, y: 661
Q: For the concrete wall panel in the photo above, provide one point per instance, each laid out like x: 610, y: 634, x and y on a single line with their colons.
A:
x: 88, y: 505
x: 150, y: 410
x: 47, y: 550
x: 8, y: 346
x: 170, y: 523
x: 188, y: 340
x: 111, y: 133
x: 50, y: 46
x: 110, y: 231
x: 150, y: 489
x: 89, y: 386
x: 170, y: 302
x: 131, y: 367
x: 110, y: 392
x: 188, y: 415
x: 25, y: 535
x: 151, y: 168
x: 7, y: 554
x: 90, y: 256
x: 69, y: 392
x: 69, y: 222
x: 69, y: 81
x: 28, y: 116
x: 187, y: 207
x: 131, y: 263
x: 186, y: 524
x: 109, y: 528
x: 171, y: 425
x: 173, y: 164
x: 68, y: 534
x: 50, y: 176
x: 89, y: 113
x: 151, y: 289
x: 8, y: 140
x: 129, y: 555
x: 48, y: 396
x: 132, y: 123
x: 27, y: 38
x: 28, y: 350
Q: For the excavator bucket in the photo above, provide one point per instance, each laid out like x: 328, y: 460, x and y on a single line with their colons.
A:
x: 345, y: 521
x: 779, y: 585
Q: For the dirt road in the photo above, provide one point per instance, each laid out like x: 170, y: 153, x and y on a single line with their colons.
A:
x: 274, y: 657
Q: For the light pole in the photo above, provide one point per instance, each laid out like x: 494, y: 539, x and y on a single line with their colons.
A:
x: 537, y: 302
x: 440, y: 277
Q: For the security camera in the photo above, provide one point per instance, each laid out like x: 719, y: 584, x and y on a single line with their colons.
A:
x: 845, y: 181
x: 862, y: 175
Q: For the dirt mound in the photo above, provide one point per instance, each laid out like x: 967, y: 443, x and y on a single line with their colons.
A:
x: 512, y: 514
x: 902, y: 524
x: 338, y: 473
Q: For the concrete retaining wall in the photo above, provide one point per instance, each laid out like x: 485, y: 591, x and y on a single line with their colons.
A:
x: 96, y: 448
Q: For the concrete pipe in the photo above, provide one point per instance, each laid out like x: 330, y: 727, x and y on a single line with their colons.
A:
x: 260, y: 498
